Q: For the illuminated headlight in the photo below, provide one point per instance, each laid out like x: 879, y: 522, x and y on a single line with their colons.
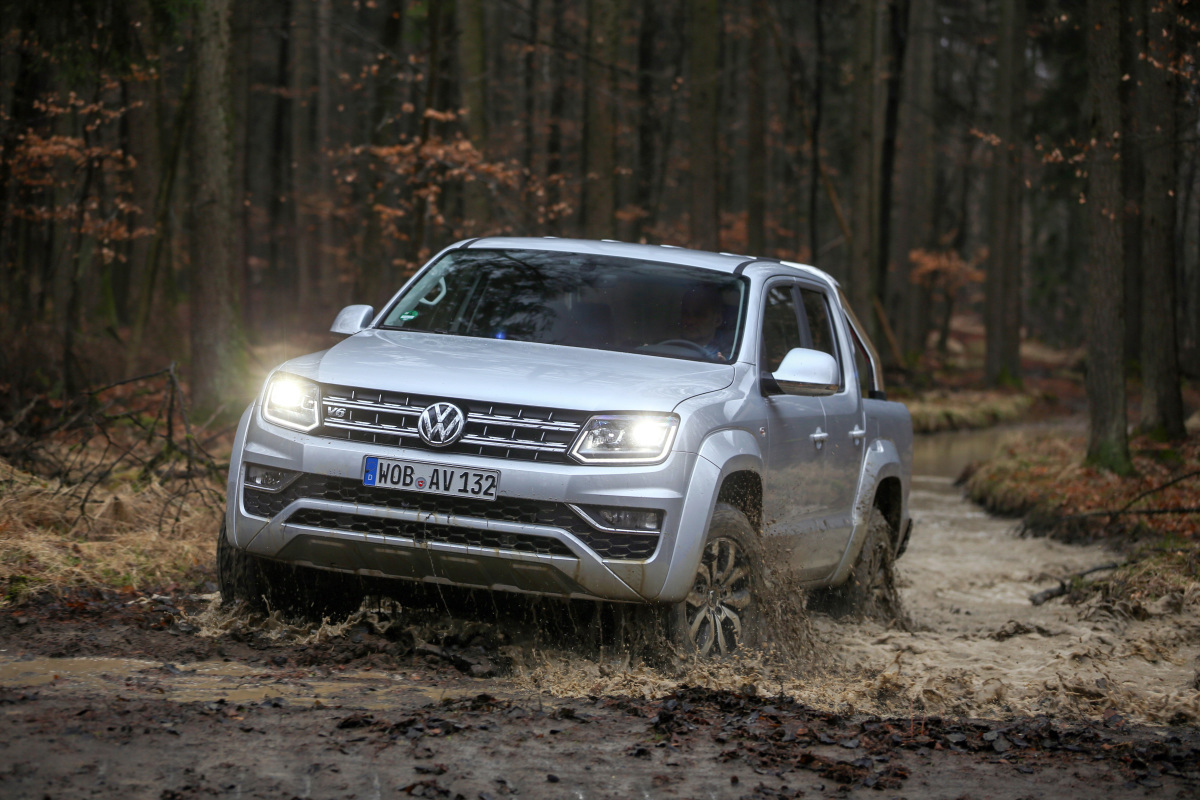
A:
x: 292, y: 402
x: 620, y: 439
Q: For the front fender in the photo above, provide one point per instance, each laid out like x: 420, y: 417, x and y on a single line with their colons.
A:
x: 721, y: 455
x: 883, y: 460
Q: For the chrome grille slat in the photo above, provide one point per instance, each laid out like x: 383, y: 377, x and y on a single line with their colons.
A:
x: 369, y: 406
x: 514, y: 444
x: 394, y: 430
x: 541, y: 425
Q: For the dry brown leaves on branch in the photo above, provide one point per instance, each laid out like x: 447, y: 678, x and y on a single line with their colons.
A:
x: 112, y: 488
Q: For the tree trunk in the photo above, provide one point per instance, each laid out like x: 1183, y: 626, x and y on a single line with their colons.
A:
x: 704, y: 43
x: 898, y: 16
x: 1104, y: 320
x: 213, y: 320
x: 1002, y: 309
x: 916, y: 178
x: 649, y: 122
x: 864, y: 169
x: 1133, y: 38
x: 814, y: 137
x: 599, y: 119
x: 756, y: 145
x: 1162, y: 399
x: 472, y: 66
x: 325, y: 266
x: 554, y: 121
x: 301, y: 275
x: 530, y: 204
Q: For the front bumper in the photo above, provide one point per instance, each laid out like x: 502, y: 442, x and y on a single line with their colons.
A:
x: 528, y: 540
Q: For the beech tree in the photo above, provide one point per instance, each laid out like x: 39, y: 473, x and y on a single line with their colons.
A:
x: 215, y: 341
x: 1104, y: 317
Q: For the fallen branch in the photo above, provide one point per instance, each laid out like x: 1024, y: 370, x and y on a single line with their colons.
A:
x: 1064, y: 585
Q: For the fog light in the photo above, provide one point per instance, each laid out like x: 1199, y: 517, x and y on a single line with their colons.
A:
x: 627, y: 520
x: 269, y: 479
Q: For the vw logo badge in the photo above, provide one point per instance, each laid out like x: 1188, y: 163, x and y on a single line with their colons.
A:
x: 441, y: 424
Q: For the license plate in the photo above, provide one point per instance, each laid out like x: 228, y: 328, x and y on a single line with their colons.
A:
x: 419, y: 476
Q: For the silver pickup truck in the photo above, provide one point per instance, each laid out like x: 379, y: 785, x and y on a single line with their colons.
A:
x: 619, y: 422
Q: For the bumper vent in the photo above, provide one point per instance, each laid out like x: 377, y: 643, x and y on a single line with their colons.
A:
x: 616, y: 546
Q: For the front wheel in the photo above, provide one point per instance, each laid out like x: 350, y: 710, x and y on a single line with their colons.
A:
x: 265, y: 585
x: 721, y: 613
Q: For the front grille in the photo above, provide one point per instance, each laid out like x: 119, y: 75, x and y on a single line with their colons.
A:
x: 424, y: 532
x: 523, y: 433
x: 616, y: 546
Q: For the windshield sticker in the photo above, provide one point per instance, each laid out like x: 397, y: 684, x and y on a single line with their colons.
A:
x: 407, y: 315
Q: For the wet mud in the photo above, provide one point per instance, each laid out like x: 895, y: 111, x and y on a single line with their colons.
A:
x: 981, y: 694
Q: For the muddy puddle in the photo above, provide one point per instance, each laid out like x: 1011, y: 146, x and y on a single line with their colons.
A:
x: 230, y: 682
x: 976, y: 645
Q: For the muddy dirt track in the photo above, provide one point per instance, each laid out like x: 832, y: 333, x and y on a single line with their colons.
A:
x: 986, y: 696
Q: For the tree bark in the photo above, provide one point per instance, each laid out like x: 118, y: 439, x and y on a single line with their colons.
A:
x: 472, y: 66
x: 916, y: 178
x: 599, y: 119
x: 213, y: 320
x: 864, y: 168
x: 704, y: 42
x: 302, y: 276
x: 1133, y: 38
x: 898, y: 17
x: 756, y: 144
x: 1002, y: 309
x: 1104, y: 320
x: 325, y: 266
x: 1162, y: 398
x: 649, y: 120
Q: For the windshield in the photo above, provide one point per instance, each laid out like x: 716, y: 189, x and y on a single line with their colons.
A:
x: 578, y: 300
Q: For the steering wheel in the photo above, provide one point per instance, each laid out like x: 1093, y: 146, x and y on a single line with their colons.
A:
x: 441, y: 293
x: 687, y: 343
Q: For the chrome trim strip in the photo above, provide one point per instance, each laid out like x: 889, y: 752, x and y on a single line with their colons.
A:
x: 515, y: 444
x: 586, y: 517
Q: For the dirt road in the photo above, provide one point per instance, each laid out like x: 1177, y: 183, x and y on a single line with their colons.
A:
x: 986, y: 696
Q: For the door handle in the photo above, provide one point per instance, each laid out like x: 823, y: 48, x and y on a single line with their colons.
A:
x: 818, y: 438
x: 857, y: 434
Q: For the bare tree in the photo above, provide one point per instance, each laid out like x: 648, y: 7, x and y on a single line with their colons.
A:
x: 1104, y: 320
x: 1162, y: 400
x: 704, y: 38
x: 865, y: 168
x: 214, y: 328
x: 472, y: 64
x: 600, y: 118
x: 1002, y: 310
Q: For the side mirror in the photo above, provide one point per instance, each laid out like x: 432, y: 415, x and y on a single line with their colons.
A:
x: 810, y: 373
x: 352, y: 319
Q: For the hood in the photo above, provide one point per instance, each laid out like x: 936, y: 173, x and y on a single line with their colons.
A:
x: 508, y: 372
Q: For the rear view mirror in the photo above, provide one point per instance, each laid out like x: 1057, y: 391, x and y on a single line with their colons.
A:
x: 352, y: 319
x: 807, y: 372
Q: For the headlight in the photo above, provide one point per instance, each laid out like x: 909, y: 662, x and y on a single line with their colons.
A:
x: 620, y: 439
x: 293, y: 403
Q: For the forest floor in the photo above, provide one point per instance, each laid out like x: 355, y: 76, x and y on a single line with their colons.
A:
x: 122, y: 675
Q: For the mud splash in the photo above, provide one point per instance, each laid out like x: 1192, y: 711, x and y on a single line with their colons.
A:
x: 976, y: 647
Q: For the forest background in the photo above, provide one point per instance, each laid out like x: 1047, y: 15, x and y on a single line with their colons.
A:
x: 182, y: 179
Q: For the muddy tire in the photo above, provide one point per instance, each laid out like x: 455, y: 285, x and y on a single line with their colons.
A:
x: 721, y: 613
x: 297, y: 592
x: 239, y: 574
x: 870, y: 590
